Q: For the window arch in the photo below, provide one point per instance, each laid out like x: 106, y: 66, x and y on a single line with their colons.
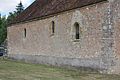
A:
x: 77, y: 30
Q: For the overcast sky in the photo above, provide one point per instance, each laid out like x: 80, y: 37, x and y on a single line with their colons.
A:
x: 7, y: 6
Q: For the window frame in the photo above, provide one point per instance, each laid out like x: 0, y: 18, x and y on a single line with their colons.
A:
x: 53, y: 27
x: 25, y: 33
x: 76, y: 32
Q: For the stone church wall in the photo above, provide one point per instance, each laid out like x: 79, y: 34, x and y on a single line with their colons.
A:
x: 94, y: 48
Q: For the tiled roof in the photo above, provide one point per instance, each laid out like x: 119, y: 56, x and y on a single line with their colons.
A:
x: 42, y: 8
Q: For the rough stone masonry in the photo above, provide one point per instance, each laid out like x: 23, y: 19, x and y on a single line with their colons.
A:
x: 32, y: 39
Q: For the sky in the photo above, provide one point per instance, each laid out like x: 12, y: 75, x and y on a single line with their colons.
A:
x: 7, y: 6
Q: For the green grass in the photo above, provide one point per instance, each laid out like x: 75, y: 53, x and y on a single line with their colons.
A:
x: 12, y: 70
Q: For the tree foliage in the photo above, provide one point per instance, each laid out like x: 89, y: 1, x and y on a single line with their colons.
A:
x: 19, y: 8
x: 3, y: 29
x: 12, y: 15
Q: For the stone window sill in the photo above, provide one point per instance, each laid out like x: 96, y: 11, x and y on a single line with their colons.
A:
x: 76, y: 40
x: 52, y: 35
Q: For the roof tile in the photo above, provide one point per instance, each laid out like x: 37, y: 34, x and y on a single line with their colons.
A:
x: 42, y: 8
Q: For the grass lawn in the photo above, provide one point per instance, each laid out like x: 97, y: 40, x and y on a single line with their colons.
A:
x: 11, y: 70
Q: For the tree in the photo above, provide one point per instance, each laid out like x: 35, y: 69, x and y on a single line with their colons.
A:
x: 3, y: 29
x: 0, y: 20
x: 12, y: 15
x: 19, y: 8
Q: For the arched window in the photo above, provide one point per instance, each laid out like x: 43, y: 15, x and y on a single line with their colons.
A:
x: 53, y: 27
x: 77, y: 31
